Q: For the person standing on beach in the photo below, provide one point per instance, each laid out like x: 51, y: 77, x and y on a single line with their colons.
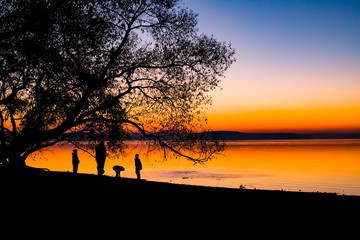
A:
x: 100, y: 157
x: 75, y: 161
x: 138, y: 166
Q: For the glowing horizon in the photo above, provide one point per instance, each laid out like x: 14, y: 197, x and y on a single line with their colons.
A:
x: 291, y: 121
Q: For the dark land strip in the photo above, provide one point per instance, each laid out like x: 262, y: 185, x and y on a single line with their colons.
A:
x: 39, y: 203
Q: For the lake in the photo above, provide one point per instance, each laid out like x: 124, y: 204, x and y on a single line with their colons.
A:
x: 293, y: 165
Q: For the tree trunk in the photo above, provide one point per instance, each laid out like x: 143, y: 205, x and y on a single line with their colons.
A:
x: 16, y: 161
x: 2, y: 140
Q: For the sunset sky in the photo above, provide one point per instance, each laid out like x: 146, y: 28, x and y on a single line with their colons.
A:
x: 297, y: 68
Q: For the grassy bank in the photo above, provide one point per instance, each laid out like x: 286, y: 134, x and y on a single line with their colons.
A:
x: 63, y: 203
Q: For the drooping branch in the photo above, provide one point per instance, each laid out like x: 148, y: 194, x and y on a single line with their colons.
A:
x: 79, y: 147
x: 41, y: 146
x: 157, y: 138
x: 106, y: 67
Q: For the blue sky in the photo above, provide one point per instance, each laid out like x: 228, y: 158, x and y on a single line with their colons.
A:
x: 285, y: 29
x: 290, y: 54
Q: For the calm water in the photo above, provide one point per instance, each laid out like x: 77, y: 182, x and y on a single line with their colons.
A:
x: 306, y: 165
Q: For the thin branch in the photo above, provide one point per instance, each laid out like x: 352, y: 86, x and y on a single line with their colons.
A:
x: 153, y: 137
x: 13, y: 122
x: 40, y: 146
x: 117, y: 52
x: 81, y: 148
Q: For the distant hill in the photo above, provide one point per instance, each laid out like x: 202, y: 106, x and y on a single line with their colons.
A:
x: 232, y: 135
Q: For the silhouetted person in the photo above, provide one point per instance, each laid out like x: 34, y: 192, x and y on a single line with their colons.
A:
x: 100, y: 157
x: 118, y: 170
x: 75, y: 161
x: 138, y: 166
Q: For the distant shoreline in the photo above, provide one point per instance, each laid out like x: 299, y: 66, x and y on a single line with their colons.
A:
x: 233, y: 135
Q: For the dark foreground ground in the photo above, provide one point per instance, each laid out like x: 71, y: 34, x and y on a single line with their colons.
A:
x: 60, y: 205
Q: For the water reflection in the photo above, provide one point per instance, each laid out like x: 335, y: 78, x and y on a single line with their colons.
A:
x: 307, y: 165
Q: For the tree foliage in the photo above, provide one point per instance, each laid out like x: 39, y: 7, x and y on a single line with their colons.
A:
x: 105, y: 68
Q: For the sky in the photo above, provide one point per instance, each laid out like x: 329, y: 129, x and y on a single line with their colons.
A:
x: 297, y: 64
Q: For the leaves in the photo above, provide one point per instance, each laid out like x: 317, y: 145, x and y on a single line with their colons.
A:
x: 109, y: 67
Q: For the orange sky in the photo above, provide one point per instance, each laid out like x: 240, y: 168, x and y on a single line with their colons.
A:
x: 301, y: 98
x: 292, y: 100
x: 294, y: 120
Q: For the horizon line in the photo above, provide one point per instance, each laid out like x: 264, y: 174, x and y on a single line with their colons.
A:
x: 355, y: 131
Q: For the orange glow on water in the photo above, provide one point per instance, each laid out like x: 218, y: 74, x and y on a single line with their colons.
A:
x: 309, y: 165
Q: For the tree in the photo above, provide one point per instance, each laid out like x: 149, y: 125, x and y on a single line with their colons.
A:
x: 105, y: 68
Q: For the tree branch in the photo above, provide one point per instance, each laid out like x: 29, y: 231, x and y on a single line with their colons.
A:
x: 117, y: 52
x: 40, y: 146
x: 153, y: 137
x: 81, y: 148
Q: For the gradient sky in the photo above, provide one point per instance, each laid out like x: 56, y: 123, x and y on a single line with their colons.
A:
x: 297, y: 68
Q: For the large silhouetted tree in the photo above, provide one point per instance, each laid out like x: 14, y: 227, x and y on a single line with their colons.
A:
x: 105, y: 68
